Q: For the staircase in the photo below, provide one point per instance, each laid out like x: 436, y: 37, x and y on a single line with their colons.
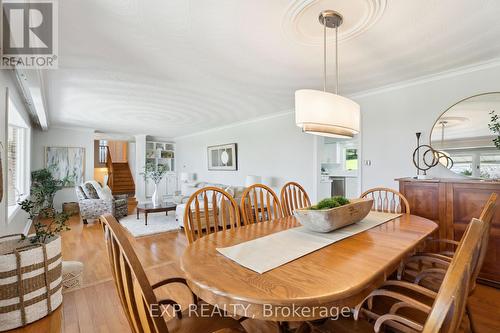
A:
x: 120, y: 178
x: 122, y: 181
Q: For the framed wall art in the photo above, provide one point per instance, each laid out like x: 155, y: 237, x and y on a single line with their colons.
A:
x: 66, y: 164
x: 223, y: 157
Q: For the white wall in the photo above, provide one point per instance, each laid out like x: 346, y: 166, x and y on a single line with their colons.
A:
x: 69, y: 137
x: 271, y: 147
x: 140, y: 161
x: 391, y: 118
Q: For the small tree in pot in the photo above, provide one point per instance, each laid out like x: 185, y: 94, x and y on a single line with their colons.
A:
x: 40, y: 206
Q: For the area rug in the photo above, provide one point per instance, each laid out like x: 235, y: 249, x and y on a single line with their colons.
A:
x: 157, y: 223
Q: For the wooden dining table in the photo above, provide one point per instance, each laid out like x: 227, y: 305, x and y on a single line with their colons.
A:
x: 335, y: 277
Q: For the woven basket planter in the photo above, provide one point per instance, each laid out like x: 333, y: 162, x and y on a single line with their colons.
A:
x: 30, y: 280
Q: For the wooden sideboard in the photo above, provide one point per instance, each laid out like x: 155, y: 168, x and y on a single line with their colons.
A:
x: 452, y: 203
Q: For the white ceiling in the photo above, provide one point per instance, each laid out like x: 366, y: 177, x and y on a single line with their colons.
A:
x: 171, y: 68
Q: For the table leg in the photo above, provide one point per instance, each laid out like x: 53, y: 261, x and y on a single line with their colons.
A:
x: 145, y: 218
x: 137, y: 213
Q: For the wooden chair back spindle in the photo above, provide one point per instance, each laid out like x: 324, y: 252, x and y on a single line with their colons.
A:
x: 209, y: 210
x: 135, y: 291
x: 449, y: 305
x: 487, y: 217
x: 259, y: 203
x: 387, y: 200
x: 293, y: 196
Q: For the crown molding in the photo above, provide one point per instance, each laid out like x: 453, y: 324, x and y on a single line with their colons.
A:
x: 239, y: 123
x: 495, y: 62
x: 390, y: 87
x: 72, y: 128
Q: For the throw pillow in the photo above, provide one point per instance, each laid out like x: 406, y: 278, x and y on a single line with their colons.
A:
x: 80, y: 193
x: 90, y: 191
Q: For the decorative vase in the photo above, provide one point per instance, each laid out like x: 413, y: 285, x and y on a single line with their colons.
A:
x: 156, y: 197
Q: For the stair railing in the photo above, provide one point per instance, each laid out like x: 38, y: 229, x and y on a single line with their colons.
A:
x: 109, y: 166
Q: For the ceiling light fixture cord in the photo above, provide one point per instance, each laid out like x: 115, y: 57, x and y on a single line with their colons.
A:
x: 337, y: 58
x: 324, y: 57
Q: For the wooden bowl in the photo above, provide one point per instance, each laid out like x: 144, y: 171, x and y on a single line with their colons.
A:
x: 327, y: 220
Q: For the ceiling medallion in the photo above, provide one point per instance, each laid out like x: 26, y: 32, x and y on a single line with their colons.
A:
x: 295, y: 23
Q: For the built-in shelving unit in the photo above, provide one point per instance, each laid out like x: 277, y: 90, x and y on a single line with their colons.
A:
x: 162, y: 153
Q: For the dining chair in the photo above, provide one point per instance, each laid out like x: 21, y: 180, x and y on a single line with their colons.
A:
x: 427, y: 264
x: 433, y: 266
x: 209, y: 210
x: 293, y: 196
x: 444, y: 313
x: 387, y: 200
x: 259, y: 203
x: 138, y: 297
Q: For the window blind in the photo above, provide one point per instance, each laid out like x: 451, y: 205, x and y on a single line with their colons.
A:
x: 12, y: 149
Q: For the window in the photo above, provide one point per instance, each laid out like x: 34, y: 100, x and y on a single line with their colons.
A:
x: 489, y: 165
x: 462, y: 164
x: 351, y: 159
x: 15, y: 157
x: 18, y: 159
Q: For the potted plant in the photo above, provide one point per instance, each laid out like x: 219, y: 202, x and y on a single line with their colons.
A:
x: 37, y: 256
x: 43, y: 190
x: 156, y: 174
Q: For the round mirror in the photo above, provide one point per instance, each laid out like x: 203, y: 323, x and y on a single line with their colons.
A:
x: 465, y: 135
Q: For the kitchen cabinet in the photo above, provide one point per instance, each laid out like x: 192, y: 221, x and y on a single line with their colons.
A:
x: 332, y: 153
x: 352, y: 187
x: 324, y: 189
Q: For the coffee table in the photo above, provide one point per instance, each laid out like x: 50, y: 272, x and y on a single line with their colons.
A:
x: 149, y: 208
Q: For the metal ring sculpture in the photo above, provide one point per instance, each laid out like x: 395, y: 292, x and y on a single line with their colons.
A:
x: 435, y: 157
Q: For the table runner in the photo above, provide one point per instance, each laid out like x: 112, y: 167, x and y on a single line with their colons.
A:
x: 255, y: 254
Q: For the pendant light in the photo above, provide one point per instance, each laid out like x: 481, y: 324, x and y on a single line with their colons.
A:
x: 321, y: 112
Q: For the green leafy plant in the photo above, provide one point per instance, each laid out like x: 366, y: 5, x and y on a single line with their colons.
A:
x: 40, y: 206
x: 43, y: 189
x: 466, y: 172
x: 155, y: 173
x: 329, y: 203
x: 47, y: 224
x: 494, y: 126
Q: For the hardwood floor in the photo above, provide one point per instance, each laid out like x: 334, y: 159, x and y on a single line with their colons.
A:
x: 96, y: 307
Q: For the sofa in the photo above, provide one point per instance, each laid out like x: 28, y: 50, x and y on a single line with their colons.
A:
x: 187, y: 189
x: 95, y: 200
